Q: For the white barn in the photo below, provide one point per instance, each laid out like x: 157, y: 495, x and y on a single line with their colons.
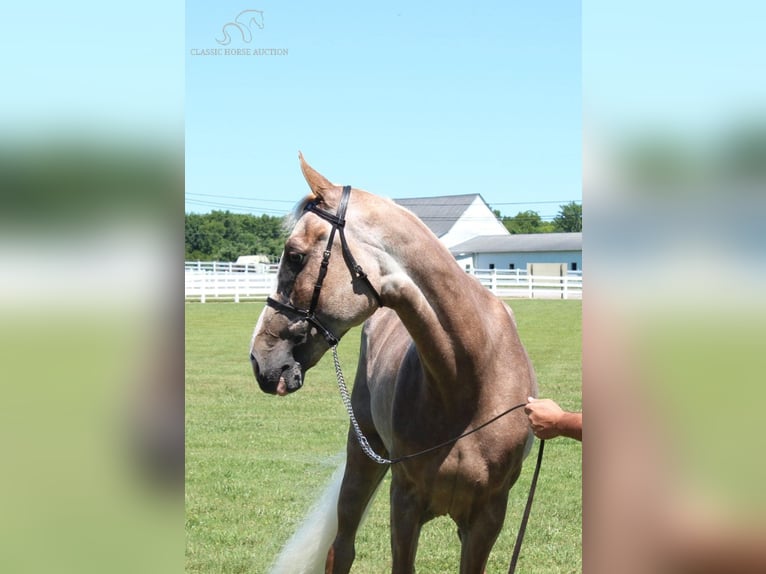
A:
x: 478, y: 240
x: 455, y: 218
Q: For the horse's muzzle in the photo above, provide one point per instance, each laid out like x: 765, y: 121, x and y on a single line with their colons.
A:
x: 282, y: 381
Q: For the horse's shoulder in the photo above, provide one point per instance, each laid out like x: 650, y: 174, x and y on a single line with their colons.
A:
x: 382, y: 324
x: 385, y: 341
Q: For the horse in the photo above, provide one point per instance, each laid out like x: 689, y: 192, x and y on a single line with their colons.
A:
x: 439, y: 355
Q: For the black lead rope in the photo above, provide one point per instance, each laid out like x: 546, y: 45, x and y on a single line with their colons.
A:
x: 454, y: 440
x: 527, y: 509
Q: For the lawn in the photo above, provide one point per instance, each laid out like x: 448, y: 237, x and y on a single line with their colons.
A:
x: 255, y: 462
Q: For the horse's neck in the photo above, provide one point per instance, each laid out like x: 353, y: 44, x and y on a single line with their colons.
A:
x: 453, y: 320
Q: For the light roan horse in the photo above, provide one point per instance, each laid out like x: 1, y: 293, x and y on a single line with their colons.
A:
x: 440, y: 355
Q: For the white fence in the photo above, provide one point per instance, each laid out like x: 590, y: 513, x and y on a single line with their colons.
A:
x: 228, y: 281
x: 217, y: 280
x: 518, y: 283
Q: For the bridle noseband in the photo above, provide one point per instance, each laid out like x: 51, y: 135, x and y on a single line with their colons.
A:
x: 338, y: 223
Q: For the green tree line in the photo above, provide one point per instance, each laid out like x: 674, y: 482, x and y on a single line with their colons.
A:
x: 224, y: 236
x: 568, y: 219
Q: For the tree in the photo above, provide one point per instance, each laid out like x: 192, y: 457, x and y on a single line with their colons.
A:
x: 523, y: 222
x: 224, y: 236
x: 569, y: 218
x: 526, y: 222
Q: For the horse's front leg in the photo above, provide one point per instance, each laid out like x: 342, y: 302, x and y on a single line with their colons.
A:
x: 479, y: 537
x: 361, y: 479
x: 480, y: 529
x: 360, y: 482
x: 407, y: 519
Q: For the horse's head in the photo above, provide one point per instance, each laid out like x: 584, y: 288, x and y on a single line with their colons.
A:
x: 321, y: 291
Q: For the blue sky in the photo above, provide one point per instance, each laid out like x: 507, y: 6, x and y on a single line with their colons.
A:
x: 402, y: 99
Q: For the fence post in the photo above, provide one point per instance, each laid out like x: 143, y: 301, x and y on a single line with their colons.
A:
x: 565, y: 293
x: 202, y: 283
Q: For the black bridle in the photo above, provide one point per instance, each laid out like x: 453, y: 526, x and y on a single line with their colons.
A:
x: 338, y: 222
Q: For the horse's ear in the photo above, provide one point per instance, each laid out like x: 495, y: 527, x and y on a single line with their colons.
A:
x: 317, y: 182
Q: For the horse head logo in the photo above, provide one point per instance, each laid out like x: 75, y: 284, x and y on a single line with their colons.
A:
x: 242, y: 22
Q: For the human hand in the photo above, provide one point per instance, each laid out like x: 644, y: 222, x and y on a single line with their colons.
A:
x: 548, y: 420
x: 544, y: 415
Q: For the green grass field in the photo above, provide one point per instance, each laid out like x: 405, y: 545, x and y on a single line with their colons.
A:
x: 255, y: 462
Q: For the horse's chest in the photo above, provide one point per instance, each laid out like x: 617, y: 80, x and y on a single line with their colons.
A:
x: 464, y: 467
x: 451, y: 482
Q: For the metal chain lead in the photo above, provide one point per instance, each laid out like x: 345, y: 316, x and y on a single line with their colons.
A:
x: 366, y: 448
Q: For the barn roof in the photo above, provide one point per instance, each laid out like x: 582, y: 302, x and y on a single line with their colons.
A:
x: 439, y: 213
x: 520, y: 243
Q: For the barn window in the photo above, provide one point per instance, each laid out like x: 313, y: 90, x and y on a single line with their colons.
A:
x: 491, y: 265
x: 574, y: 265
x: 511, y: 266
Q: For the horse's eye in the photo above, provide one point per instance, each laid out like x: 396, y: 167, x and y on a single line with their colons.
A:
x: 295, y: 258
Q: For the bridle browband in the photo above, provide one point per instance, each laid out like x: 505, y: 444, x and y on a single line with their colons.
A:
x: 338, y: 222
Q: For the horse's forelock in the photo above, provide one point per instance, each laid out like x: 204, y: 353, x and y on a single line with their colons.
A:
x: 294, y: 215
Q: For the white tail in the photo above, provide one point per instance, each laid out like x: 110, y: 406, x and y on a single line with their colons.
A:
x: 306, y: 551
